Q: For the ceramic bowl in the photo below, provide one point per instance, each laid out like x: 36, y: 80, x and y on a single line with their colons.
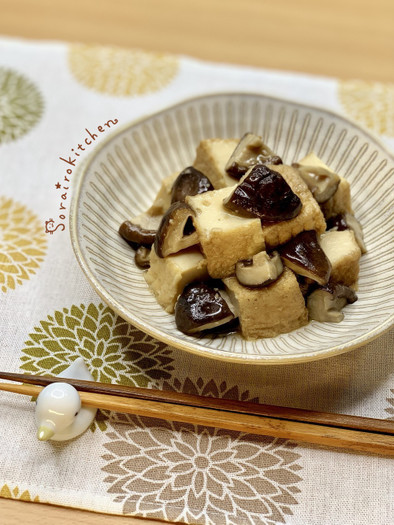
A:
x: 124, y: 173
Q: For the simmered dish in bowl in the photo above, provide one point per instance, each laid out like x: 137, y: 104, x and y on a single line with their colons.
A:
x: 242, y: 236
x: 122, y: 180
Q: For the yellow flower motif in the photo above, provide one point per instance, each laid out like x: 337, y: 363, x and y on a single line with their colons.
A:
x: 370, y: 103
x: 15, y: 493
x: 121, y: 72
x: 22, y: 243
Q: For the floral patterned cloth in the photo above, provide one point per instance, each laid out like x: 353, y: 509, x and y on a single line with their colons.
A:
x: 51, y: 96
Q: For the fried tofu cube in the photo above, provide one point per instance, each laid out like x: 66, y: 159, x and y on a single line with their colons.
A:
x: 168, y: 276
x: 309, y: 218
x: 225, y: 238
x: 211, y: 159
x: 163, y: 198
x: 270, y: 310
x: 344, y: 254
x: 340, y: 202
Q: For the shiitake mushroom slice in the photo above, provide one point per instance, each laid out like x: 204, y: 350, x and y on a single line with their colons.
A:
x: 322, y: 183
x: 135, y: 235
x: 189, y: 182
x: 250, y: 151
x: 176, y: 231
x: 201, y: 307
x: 304, y: 255
x: 142, y: 257
x: 265, y: 194
x: 306, y: 285
x: 325, y: 303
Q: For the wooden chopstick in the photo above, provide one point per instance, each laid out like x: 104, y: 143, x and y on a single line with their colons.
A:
x: 322, y: 428
x: 359, y: 437
x: 242, y: 407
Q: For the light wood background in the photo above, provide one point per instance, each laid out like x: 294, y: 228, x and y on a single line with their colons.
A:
x: 341, y: 38
x: 344, y: 38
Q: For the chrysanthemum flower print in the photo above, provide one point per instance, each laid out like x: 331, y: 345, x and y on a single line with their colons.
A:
x: 17, y: 493
x: 390, y: 409
x: 113, y: 350
x: 183, y: 472
x: 370, y: 103
x: 21, y: 105
x: 121, y: 72
x: 22, y: 243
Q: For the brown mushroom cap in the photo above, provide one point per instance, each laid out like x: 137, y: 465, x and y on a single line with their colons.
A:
x: 135, y: 234
x: 201, y: 307
x: 261, y: 270
x: 325, y: 304
x: 304, y: 256
x: 265, y: 194
x: 189, y: 182
x: 322, y: 183
x: 250, y: 151
x: 176, y: 231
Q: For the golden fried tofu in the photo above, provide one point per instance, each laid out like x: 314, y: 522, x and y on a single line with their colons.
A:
x: 163, y: 198
x: 168, y: 276
x: 270, y: 310
x: 225, y: 238
x: 344, y: 254
x: 340, y: 202
x: 211, y: 158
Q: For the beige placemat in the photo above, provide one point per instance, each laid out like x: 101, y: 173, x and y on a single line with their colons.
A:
x: 51, y: 97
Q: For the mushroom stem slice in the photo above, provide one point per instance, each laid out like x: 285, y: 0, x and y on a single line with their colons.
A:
x: 325, y: 304
x: 322, y: 182
x: 261, y: 270
x: 347, y: 221
x: 176, y: 231
x: 250, y: 151
x: 135, y: 234
x: 304, y: 255
x: 142, y: 257
x: 189, y: 182
x: 201, y: 307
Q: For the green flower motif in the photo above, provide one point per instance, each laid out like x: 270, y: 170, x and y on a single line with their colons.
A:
x: 114, y: 351
x: 21, y: 105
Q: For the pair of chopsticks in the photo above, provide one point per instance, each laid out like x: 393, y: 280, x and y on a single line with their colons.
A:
x: 320, y: 428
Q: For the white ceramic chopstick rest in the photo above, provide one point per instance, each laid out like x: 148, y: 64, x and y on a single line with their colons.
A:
x: 59, y: 414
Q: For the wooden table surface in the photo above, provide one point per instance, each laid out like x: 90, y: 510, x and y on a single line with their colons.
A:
x: 341, y: 38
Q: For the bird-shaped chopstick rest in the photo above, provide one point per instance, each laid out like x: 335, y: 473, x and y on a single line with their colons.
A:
x: 59, y: 413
